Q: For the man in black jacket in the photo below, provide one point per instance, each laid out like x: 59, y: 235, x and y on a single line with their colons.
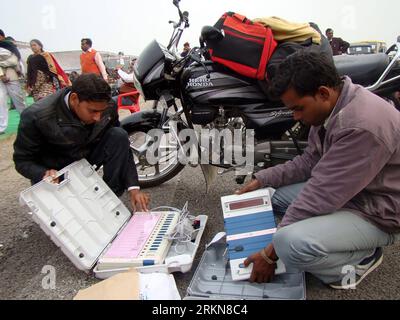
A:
x: 73, y: 124
x: 339, y: 46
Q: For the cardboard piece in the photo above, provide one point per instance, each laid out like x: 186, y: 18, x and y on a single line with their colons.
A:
x: 123, y: 286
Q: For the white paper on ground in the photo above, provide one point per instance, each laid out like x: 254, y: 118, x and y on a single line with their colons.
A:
x: 158, y: 286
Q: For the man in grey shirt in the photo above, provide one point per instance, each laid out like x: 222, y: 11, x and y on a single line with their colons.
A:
x: 341, y: 198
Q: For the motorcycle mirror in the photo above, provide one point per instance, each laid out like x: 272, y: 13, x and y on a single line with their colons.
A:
x: 211, y: 34
x: 176, y: 3
x: 202, y: 43
x: 185, y: 18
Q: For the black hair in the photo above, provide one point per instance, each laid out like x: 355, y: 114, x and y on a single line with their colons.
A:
x: 2, y: 33
x: 38, y: 42
x: 305, y: 72
x: 91, y: 87
x: 88, y: 41
x: 328, y: 30
x: 10, y: 46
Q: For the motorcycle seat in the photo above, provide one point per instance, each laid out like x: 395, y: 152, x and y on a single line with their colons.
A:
x: 364, y: 69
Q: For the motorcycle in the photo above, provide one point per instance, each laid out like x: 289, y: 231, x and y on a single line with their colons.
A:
x: 192, y: 92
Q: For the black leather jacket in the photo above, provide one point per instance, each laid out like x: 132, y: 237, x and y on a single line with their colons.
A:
x: 50, y: 136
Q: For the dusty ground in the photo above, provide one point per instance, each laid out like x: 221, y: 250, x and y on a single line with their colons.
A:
x: 25, y: 249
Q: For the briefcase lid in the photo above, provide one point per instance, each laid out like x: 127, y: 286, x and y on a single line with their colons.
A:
x: 80, y: 214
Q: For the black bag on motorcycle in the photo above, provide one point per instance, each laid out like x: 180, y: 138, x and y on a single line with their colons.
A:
x: 285, y: 49
x: 246, y: 47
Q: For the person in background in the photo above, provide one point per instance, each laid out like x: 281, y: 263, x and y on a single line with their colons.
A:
x: 127, y: 77
x: 186, y: 50
x: 21, y: 70
x: 20, y: 67
x: 339, y: 46
x: 10, y: 72
x: 78, y: 122
x: 73, y: 76
x: 126, y: 83
x: 91, y: 61
x: 45, y: 75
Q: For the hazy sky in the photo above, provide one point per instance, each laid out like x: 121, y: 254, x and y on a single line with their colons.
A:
x: 129, y: 25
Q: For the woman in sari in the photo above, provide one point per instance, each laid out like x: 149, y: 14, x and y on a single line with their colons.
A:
x: 45, y: 75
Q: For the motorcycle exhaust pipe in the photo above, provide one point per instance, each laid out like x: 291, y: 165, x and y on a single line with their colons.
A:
x: 271, y: 150
x: 277, y: 150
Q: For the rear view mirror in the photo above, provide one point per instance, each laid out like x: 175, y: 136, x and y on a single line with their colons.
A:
x: 211, y: 34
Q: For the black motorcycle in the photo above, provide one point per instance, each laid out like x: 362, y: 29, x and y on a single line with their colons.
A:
x: 192, y: 93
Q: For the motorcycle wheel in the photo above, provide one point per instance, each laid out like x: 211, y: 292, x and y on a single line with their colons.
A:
x: 167, y: 168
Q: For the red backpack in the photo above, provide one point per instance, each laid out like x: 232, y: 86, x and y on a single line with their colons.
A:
x: 246, y: 47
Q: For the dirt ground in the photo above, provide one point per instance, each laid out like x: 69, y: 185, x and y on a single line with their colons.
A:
x: 25, y: 250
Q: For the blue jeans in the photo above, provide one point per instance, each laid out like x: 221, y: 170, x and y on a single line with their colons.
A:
x: 325, y: 246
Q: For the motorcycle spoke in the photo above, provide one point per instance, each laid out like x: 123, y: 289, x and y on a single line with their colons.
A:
x: 166, y: 155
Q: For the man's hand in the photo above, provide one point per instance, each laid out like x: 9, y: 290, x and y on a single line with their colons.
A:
x: 53, y: 175
x: 263, y: 272
x: 139, y: 200
x: 251, y: 186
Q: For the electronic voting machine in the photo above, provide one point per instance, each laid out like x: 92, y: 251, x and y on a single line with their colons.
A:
x: 249, y: 225
x: 143, y: 242
x: 97, y: 232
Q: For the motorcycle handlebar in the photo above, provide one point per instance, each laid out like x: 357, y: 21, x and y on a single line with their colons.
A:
x: 178, y: 27
x: 183, y: 16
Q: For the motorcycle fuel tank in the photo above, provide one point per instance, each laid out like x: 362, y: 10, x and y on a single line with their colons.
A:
x: 220, y: 88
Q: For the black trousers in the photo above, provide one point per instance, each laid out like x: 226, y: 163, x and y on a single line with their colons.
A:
x: 114, y: 154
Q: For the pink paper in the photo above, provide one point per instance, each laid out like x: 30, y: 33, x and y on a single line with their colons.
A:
x: 133, y: 238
